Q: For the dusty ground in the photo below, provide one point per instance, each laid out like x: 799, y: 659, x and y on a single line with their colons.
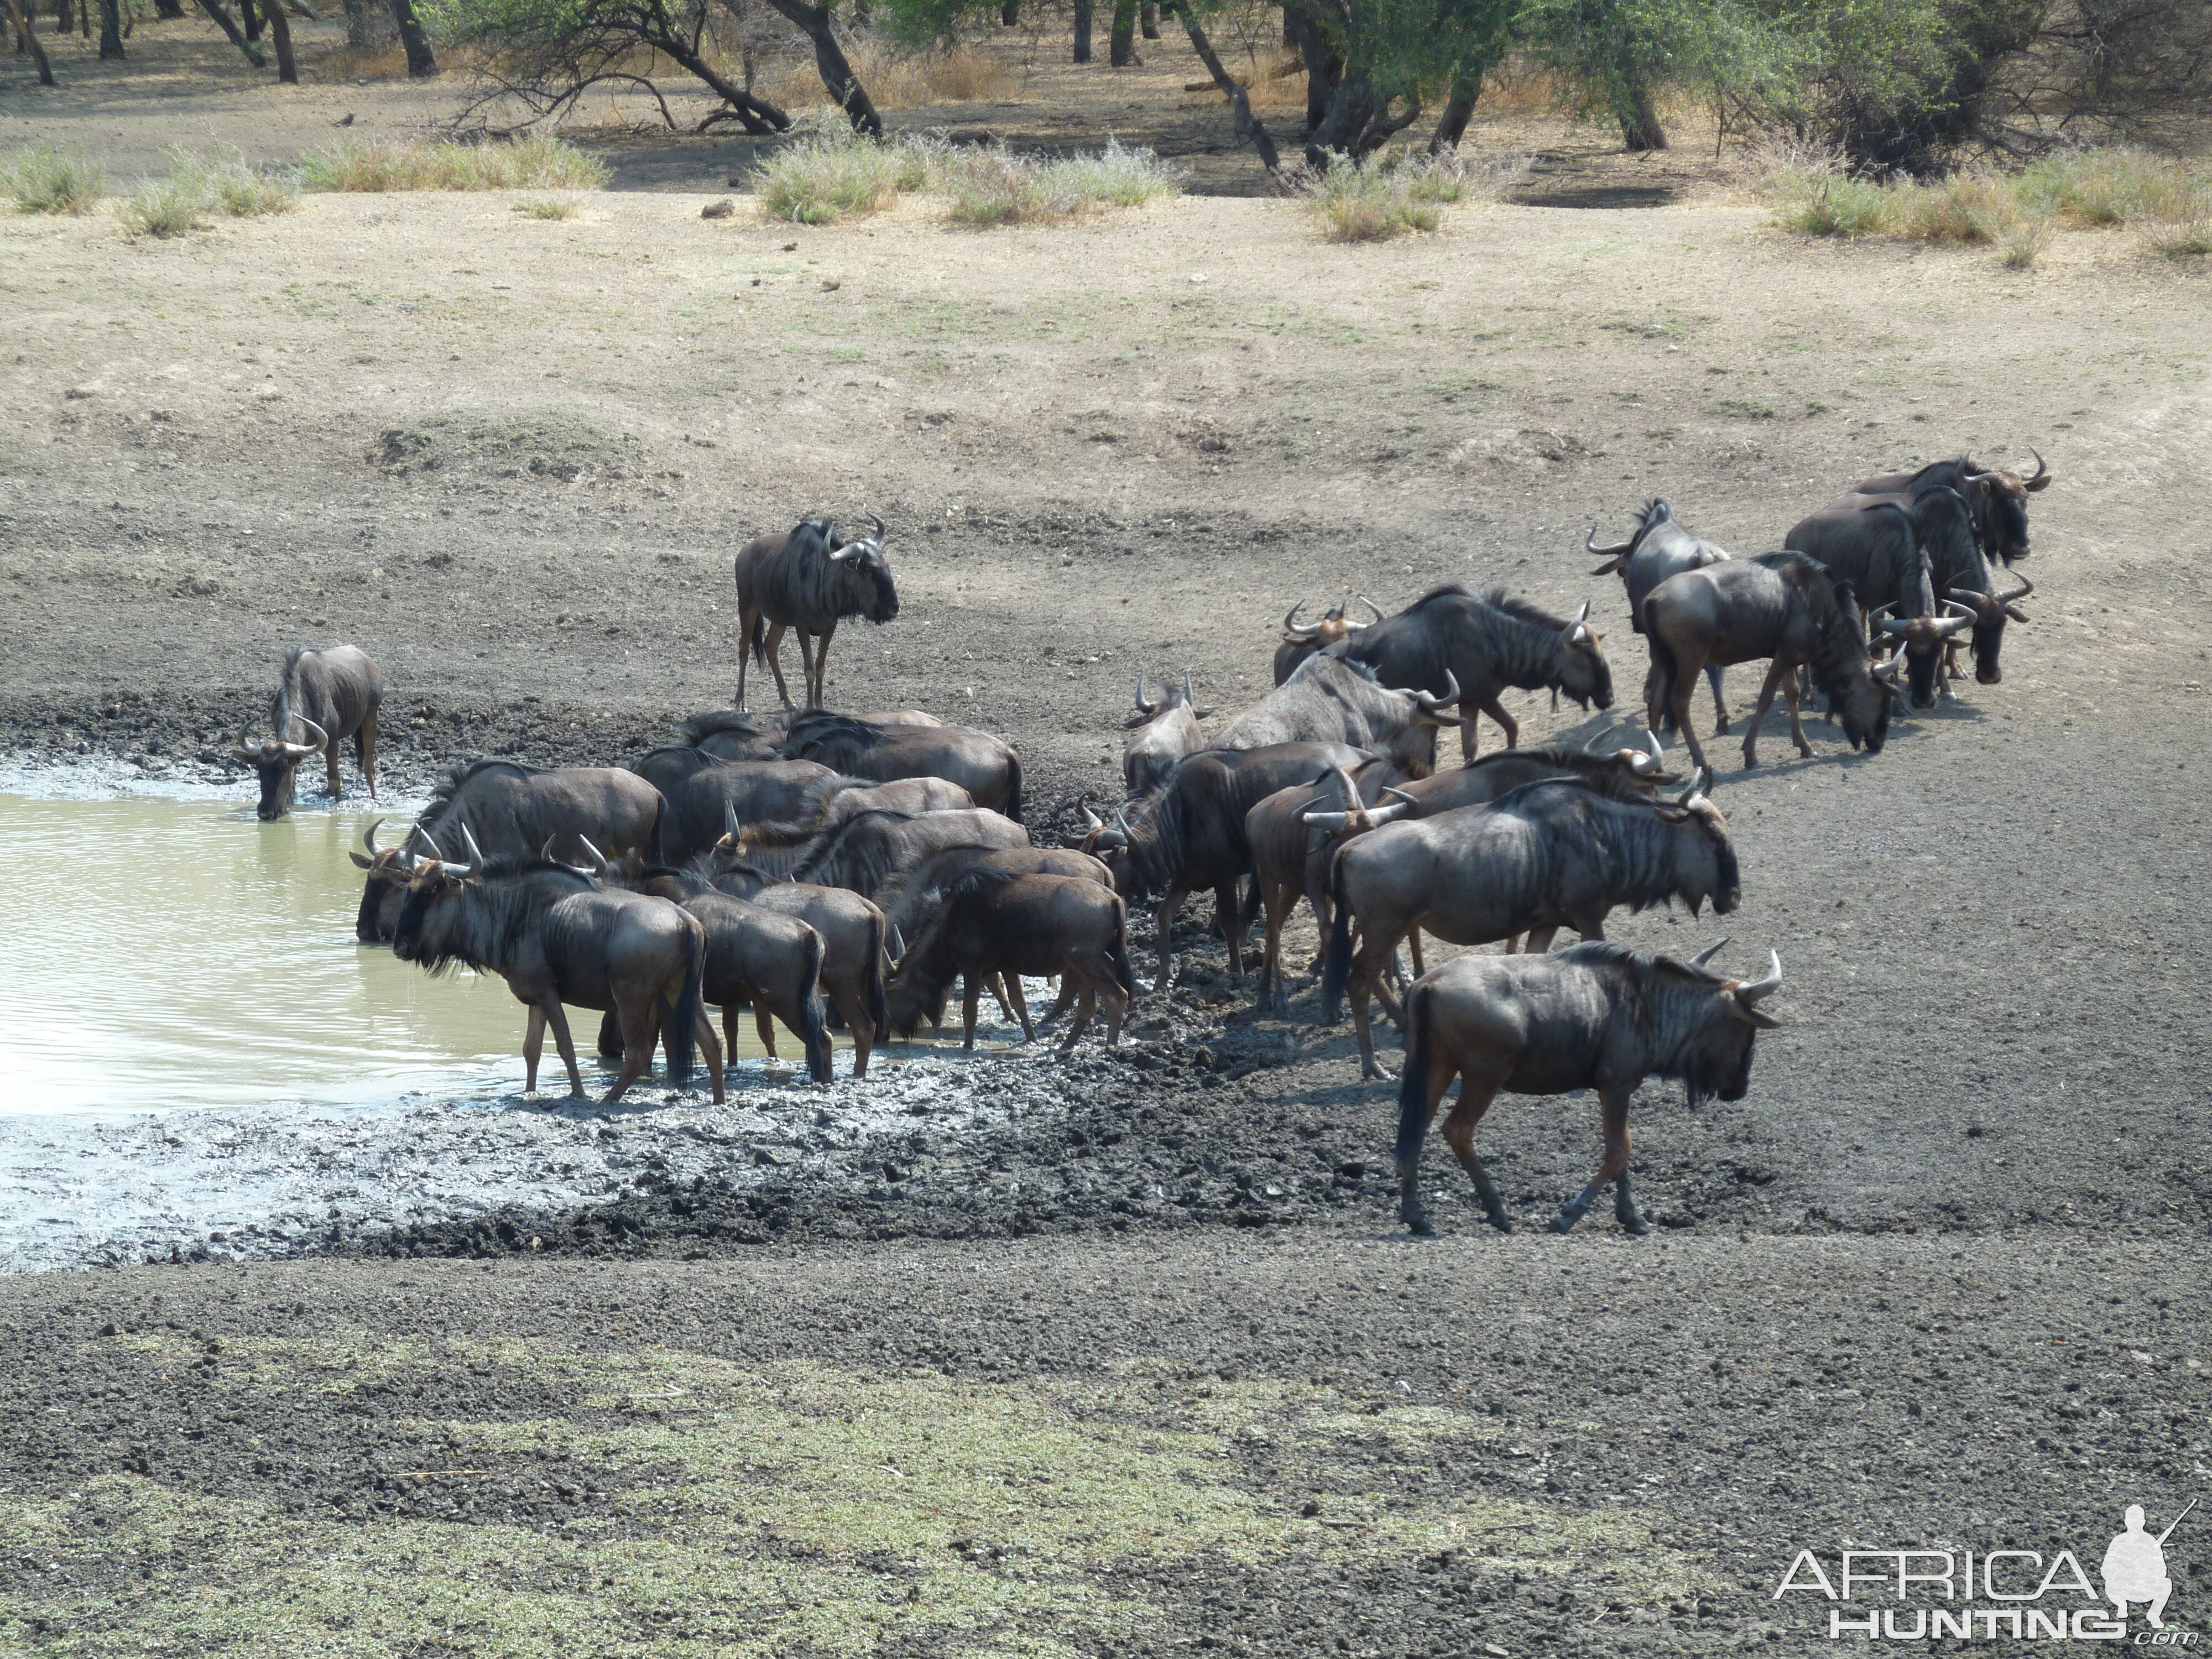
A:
x: 1937, y: 1277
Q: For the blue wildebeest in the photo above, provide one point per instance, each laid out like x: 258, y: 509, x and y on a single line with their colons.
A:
x: 1958, y: 573
x: 700, y: 791
x: 1477, y: 645
x: 512, y: 810
x: 1300, y: 642
x: 1995, y: 496
x: 1783, y: 606
x: 558, y: 938
x: 1879, y: 547
x: 1328, y: 700
x: 999, y: 925
x: 810, y: 580
x: 1161, y: 733
x: 1545, y: 856
x: 1660, y: 548
x: 883, y: 751
x: 865, y: 855
x: 323, y: 698
x: 1598, y: 1017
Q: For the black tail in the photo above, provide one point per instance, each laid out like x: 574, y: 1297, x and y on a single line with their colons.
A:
x: 1662, y: 713
x: 878, y: 1013
x: 1250, y: 913
x: 1414, y: 1081
x: 813, y: 1030
x: 684, y: 1050
x: 1124, y: 975
x: 759, y: 641
x: 1336, y: 972
x: 1014, y: 787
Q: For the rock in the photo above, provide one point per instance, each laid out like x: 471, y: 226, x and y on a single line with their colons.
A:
x: 77, y: 392
x: 721, y: 210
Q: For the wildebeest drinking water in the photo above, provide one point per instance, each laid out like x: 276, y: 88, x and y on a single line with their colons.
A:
x: 323, y: 698
x: 1593, y: 1016
x: 810, y: 580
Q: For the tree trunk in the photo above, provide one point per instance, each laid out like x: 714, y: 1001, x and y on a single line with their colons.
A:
x: 1121, y: 45
x: 280, y: 27
x: 111, y: 28
x: 65, y: 18
x: 356, y: 16
x: 1324, y: 72
x: 1148, y: 20
x: 420, y: 63
x: 27, y: 39
x: 250, y: 15
x: 835, y: 68
x: 215, y: 10
x: 1639, y: 122
x: 1010, y: 13
x: 1248, y: 125
x: 1459, y: 109
x: 1082, y: 31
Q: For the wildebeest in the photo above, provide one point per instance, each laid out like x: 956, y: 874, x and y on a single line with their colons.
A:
x: 728, y: 735
x: 1660, y: 548
x: 810, y: 580
x: 1959, y: 571
x: 700, y: 791
x: 1478, y: 644
x: 323, y: 698
x: 1599, y: 1017
x: 512, y: 810
x: 1161, y: 733
x: 989, y: 769
x: 1545, y: 856
x: 1299, y: 643
x: 914, y: 796
x: 1997, y: 496
x: 1880, y: 547
x: 1783, y: 606
x: 995, y: 924
x: 1328, y: 700
x: 557, y: 937
x: 867, y: 852
x: 1189, y: 837
x: 910, y: 901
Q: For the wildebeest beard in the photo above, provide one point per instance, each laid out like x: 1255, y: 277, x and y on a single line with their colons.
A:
x: 1705, y: 1074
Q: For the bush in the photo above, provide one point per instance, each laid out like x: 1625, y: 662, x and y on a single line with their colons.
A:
x: 546, y: 209
x: 834, y: 174
x: 198, y: 185
x: 45, y: 180
x: 534, y: 161
x: 1377, y: 202
x: 992, y: 187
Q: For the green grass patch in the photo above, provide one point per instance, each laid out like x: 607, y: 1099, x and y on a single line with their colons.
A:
x: 533, y: 161
x: 43, y: 179
x: 834, y: 174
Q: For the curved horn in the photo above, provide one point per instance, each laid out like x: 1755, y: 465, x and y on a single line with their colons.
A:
x: 475, y: 852
x: 1092, y: 821
x: 1709, y: 953
x: 881, y: 529
x: 1751, y: 993
x: 1189, y: 696
x: 897, y: 942
x: 1293, y: 632
x: 1596, y: 743
x: 1393, y: 789
x: 2042, y: 471
x: 596, y: 856
x: 1897, y: 624
x: 1326, y: 820
x: 249, y: 755
x: 1967, y: 618
x: 1583, y: 615
x: 1374, y: 609
x: 429, y: 840
x: 2026, y: 587
x: 303, y: 750
x: 1700, y: 780
x: 729, y: 819
x: 368, y: 837
x: 1121, y: 817
x: 1347, y: 783
x: 850, y: 551
x: 1144, y: 706
x: 1589, y: 545
x: 1577, y: 631
x: 1429, y: 705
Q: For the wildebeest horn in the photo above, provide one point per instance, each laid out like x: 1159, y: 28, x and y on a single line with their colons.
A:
x: 2009, y: 600
x: 429, y: 840
x: 850, y: 551
x: 1950, y: 625
x: 897, y: 942
x: 1434, y: 705
x: 1597, y: 742
x: 1644, y: 764
x: 2042, y: 471
x: 1700, y: 780
x: 1092, y: 821
x: 469, y: 840
x: 1292, y: 631
x: 593, y: 854
x: 1763, y: 987
x: 1326, y: 820
x: 1589, y: 545
x: 368, y: 840
x: 1896, y: 624
x: 1144, y: 705
x: 1347, y: 783
x: 881, y: 529
x: 1710, y: 952
x: 729, y: 819
x: 1577, y: 631
x: 1375, y: 610
x: 303, y: 750
x: 243, y: 752
x: 1393, y: 789
x: 1189, y: 696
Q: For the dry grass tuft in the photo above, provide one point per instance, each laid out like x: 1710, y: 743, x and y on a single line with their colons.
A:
x: 199, y: 186
x: 991, y: 187
x: 1404, y: 191
x: 834, y: 174
x: 546, y: 209
x: 535, y: 161
x: 47, y: 180
x: 963, y: 75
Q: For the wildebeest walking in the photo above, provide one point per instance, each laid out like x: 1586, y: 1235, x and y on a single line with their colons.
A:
x: 995, y: 923
x: 1161, y: 733
x: 1783, y: 606
x: 809, y: 580
x: 1597, y: 1016
x: 885, y: 752
x: 1475, y: 645
x: 323, y: 698
x: 1660, y: 548
x: 558, y: 938
x: 1547, y: 856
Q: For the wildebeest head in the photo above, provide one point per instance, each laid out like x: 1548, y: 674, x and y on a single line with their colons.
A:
x: 1301, y: 641
x: 1991, y: 612
x: 1693, y: 808
x: 1172, y: 697
x: 275, y: 762
x: 1715, y: 1055
x: 1578, y: 663
x: 1617, y: 556
x: 1860, y: 697
x: 2004, y: 493
x: 1920, y: 642
x: 866, y: 582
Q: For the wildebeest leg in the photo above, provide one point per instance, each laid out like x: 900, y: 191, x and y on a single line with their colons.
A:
x: 1539, y: 940
x: 747, y: 614
x: 1117, y: 1009
x: 712, y: 1050
x: 1614, y: 1100
x: 1720, y: 708
x: 1168, y: 906
x: 1774, y: 673
x: 764, y: 1023
x: 331, y: 768
x: 1225, y: 906
x: 1470, y: 738
x: 640, y: 1027
x: 1441, y: 1071
x: 611, y: 1036
x: 820, y: 699
x: 730, y: 1028
x: 1679, y: 710
x: 364, y: 751
x: 1274, y: 996
x: 1459, y: 1135
x: 1061, y: 1004
x: 1496, y: 710
x: 775, y: 659
x: 1086, y: 1008
x: 1014, y: 983
x: 533, y: 1044
x: 1376, y: 947
x: 1796, y: 724
x: 557, y: 1018
x: 1414, y: 945
x: 853, y: 1004
x: 971, y: 992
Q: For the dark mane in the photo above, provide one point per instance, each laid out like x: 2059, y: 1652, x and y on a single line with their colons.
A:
x: 830, y: 855
x: 816, y: 727
x: 1601, y: 953
x: 700, y: 726
x: 1521, y: 610
x: 1840, y: 640
x: 452, y: 784
x: 1443, y: 591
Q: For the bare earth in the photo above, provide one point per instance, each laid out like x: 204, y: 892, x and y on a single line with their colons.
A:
x: 1939, y: 1280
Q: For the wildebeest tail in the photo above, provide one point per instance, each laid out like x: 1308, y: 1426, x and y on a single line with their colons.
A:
x: 1124, y: 975
x: 878, y: 1015
x: 684, y: 1049
x: 758, y: 644
x: 1662, y: 713
x: 1336, y: 972
x: 814, y: 1031
x: 1414, y: 1081
x: 1014, y: 787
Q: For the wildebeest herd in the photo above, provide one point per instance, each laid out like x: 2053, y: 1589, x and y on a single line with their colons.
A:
x: 868, y: 861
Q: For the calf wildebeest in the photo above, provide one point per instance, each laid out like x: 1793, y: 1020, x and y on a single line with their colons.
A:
x: 1161, y: 733
x: 1478, y: 644
x: 700, y: 791
x: 989, y: 769
x: 810, y: 580
x: 868, y: 853
x: 1783, y: 606
x: 323, y: 698
x: 1598, y: 1017
x: 512, y: 810
x: 1545, y: 856
x: 1299, y: 643
x: 993, y: 924
x: 769, y: 958
x: 557, y: 937
x: 1660, y: 548
x: 1996, y: 497
x: 1328, y: 700
x: 1190, y: 836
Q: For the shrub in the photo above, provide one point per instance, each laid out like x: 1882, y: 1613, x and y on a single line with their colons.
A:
x: 546, y: 209
x: 2025, y: 244
x: 199, y: 185
x: 534, y: 161
x: 991, y: 187
x: 2180, y: 228
x: 1380, y: 200
x: 46, y: 180
x: 834, y: 174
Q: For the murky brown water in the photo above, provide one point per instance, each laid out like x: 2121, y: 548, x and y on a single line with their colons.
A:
x: 162, y: 953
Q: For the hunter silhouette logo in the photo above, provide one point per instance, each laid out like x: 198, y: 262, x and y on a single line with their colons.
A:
x: 2134, y: 1565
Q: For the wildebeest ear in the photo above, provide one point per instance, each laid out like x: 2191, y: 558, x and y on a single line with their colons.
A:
x: 1763, y: 1021
x: 359, y: 861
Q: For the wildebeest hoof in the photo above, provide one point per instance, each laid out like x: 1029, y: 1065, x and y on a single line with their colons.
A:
x: 1500, y: 1220
x: 1375, y: 1074
x: 1564, y: 1224
x: 1421, y: 1227
x: 1635, y: 1225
